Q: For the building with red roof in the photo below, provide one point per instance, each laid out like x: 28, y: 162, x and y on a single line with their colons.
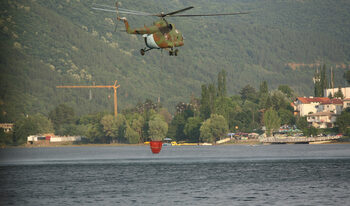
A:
x: 321, y: 112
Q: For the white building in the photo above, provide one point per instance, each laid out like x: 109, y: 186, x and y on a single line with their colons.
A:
x: 346, y: 103
x: 322, y: 119
x: 308, y: 105
x: 7, y: 127
x: 345, y: 91
x: 51, y: 138
x: 321, y: 112
x: 333, y: 105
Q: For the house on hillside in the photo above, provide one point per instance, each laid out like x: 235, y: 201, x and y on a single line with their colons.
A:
x: 332, y: 91
x: 7, y: 127
x: 333, y: 105
x: 322, y: 119
x: 346, y: 103
x: 321, y: 112
x: 307, y: 105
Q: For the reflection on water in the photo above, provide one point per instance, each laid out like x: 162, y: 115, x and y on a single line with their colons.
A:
x: 222, y: 175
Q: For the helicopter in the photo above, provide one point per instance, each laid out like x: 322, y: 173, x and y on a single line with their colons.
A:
x: 162, y: 34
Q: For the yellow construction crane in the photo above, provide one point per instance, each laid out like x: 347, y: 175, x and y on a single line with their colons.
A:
x: 115, y: 87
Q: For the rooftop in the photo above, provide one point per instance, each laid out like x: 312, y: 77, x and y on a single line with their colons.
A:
x: 322, y: 100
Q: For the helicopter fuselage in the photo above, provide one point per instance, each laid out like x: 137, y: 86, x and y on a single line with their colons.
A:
x: 161, y: 35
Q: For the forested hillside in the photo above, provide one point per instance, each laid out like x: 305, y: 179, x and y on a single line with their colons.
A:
x: 50, y: 43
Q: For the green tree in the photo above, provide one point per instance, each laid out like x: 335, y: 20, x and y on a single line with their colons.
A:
x: 213, y: 128
x: 263, y: 90
x: 32, y: 125
x: 147, y: 115
x: 286, y: 117
x: 323, y: 80
x: 248, y: 93
x: 251, y: 114
x: 347, y: 76
x: 92, y: 128
x: 343, y: 121
x: 177, y: 125
x: 62, y: 116
x: 222, y: 83
x: 67, y: 129
x: 208, y: 98
x: 132, y: 136
x: 158, y: 128
x: 225, y: 107
x: 265, y: 101
x: 137, y: 123
x: 96, y: 134
x: 320, y: 82
x: 272, y: 121
x: 114, y: 128
x: 166, y: 116
x: 192, y: 129
x: 285, y: 89
x: 339, y: 94
x: 301, y: 123
x: 304, y: 126
x: 317, y: 84
x: 5, y: 138
x: 212, y: 97
x: 310, y: 131
x: 205, y: 104
x: 176, y: 128
x: 280, y: 101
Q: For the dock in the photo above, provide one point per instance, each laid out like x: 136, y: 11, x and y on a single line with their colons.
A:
x: 296, y: 140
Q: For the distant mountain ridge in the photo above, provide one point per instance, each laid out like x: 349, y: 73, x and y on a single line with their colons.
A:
x: 50, y: 43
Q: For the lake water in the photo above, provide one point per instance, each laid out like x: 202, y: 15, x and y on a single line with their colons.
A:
x: 186, y: 175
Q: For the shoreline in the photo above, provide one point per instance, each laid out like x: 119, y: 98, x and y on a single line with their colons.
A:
x: 245, y: 142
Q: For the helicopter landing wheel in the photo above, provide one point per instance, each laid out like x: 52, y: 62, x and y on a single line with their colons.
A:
x: 176, y: 52
x: 142, y: 51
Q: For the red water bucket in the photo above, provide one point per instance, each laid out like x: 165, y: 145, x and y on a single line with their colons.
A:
x: 156, y: 146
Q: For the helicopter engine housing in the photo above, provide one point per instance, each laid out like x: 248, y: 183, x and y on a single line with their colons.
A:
x: 150, y: 42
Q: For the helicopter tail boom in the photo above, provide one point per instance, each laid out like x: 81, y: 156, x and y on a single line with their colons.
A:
x: 145, y: 30
x: 141, y: 31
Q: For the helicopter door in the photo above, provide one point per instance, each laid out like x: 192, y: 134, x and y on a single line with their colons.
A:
x: 150, y: 42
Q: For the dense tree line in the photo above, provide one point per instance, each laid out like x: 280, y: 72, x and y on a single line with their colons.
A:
x: 204, y: 119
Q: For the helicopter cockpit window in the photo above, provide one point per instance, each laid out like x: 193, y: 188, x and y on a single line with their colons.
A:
x: 166, y: 29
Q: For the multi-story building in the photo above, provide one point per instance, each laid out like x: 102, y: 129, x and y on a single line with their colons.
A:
x: 346, y: 103
x: 308, y: 105
x: 333, y: 105
x: 332, y: 91
x: 321, y: 112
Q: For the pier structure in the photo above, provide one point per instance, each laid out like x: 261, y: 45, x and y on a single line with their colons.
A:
x: 297, y: 140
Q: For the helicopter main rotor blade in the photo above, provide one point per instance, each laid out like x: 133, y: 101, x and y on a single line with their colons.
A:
x: 103, y: 5
x: 162, y: 15
x: 108, y: 8
x: 125, y: 12
x: 194, y: 15
x: 175, y: 12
